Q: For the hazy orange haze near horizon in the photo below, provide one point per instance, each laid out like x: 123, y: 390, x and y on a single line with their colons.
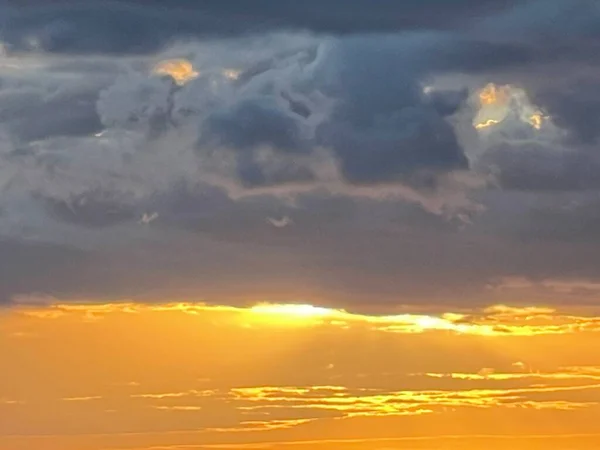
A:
x: 193, y: 376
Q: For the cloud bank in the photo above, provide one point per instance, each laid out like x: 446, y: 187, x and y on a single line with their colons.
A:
x: 373, y: 130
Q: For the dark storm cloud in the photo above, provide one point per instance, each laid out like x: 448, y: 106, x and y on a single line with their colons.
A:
x: 545, y: 219
x: 37, y: 115
x: 144, y: 26
x: 252, y: 174
x: 35, y: 268
x: 554, y: 23
x: 561, y: 157
x: 92, y: 209
x: 537, y: 167
x: 53, y: 99
x: 576, y: 220
x: 329, y: 255
x: 361, y: 97
x: 574, y: 107
x: 355, y: 135
x: 447, y: 102
x: 383, y: 127
x: 255, y: 122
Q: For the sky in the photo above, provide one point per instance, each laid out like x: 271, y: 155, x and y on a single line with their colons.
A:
x: 333, y: 224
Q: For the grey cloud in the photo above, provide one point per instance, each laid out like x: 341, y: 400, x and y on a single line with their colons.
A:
x: 32, y: 114
x: 254, y: 123
x: 333, y: 131
x: 135, y: 99
x: 360, y: 97
x: 545, y: 219
x: 47, y: 98
x: 557, y: 158
x: 574, y: 107
x: 338, y: 257
x: 253, y: 174
x: 35, y: 268
x: 380, y: 125
x: 384, y: 127
x: 554, y: 23
x: 396, y: 148
x: 575, y: 219
x: 538, y: 167
x: 134, y: 26
x: 31, y: 117
x: 448, y: 102
x: 91, y: 209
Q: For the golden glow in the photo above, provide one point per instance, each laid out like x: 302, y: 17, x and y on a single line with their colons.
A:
x: 231, y: 74
x: 536, y: 120
x: 292, y: 310
x: 488, y: 123
x: 493, y: 94
x: 496, y: 320
x: 493, y: 106
x: 81, y: 399
x: 181, y: 70
x: 130, y: 376
x: 496, y: 103
x: 382, y: 402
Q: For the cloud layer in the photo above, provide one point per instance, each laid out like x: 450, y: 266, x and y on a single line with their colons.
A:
x: 364, y: 128
x: 274, y: 373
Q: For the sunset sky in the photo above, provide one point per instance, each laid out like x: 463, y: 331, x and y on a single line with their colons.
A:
x: 274, y: 224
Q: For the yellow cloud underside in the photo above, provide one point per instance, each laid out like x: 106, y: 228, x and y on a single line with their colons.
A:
x: 536, y: 120
x: 488, y: 123
x: 289, y: 371
x: 498, y: 320
x: 568, y: 373
x: 181, y: 70
x: 493, y: 94
x: 495, y: 101
x: 348, y: 403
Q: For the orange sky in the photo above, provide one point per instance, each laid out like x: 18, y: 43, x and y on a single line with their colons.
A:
x: 185, y: 376
x: 422, y: 176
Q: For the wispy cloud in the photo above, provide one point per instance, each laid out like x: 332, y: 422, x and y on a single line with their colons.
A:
x: 7, y: 401
x: 287, y: 402
x: 566, y: 373
x: 81, y: 399
x: 189, y: 393
x: 373, y: 402
x: 556, y: 285
x: 177, y: 408
x: 262, y: 425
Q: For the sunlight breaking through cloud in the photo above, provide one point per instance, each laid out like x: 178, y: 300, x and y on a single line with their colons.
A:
x: 497, y: 104
x: 497, y: 320
x: 181, y: 70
